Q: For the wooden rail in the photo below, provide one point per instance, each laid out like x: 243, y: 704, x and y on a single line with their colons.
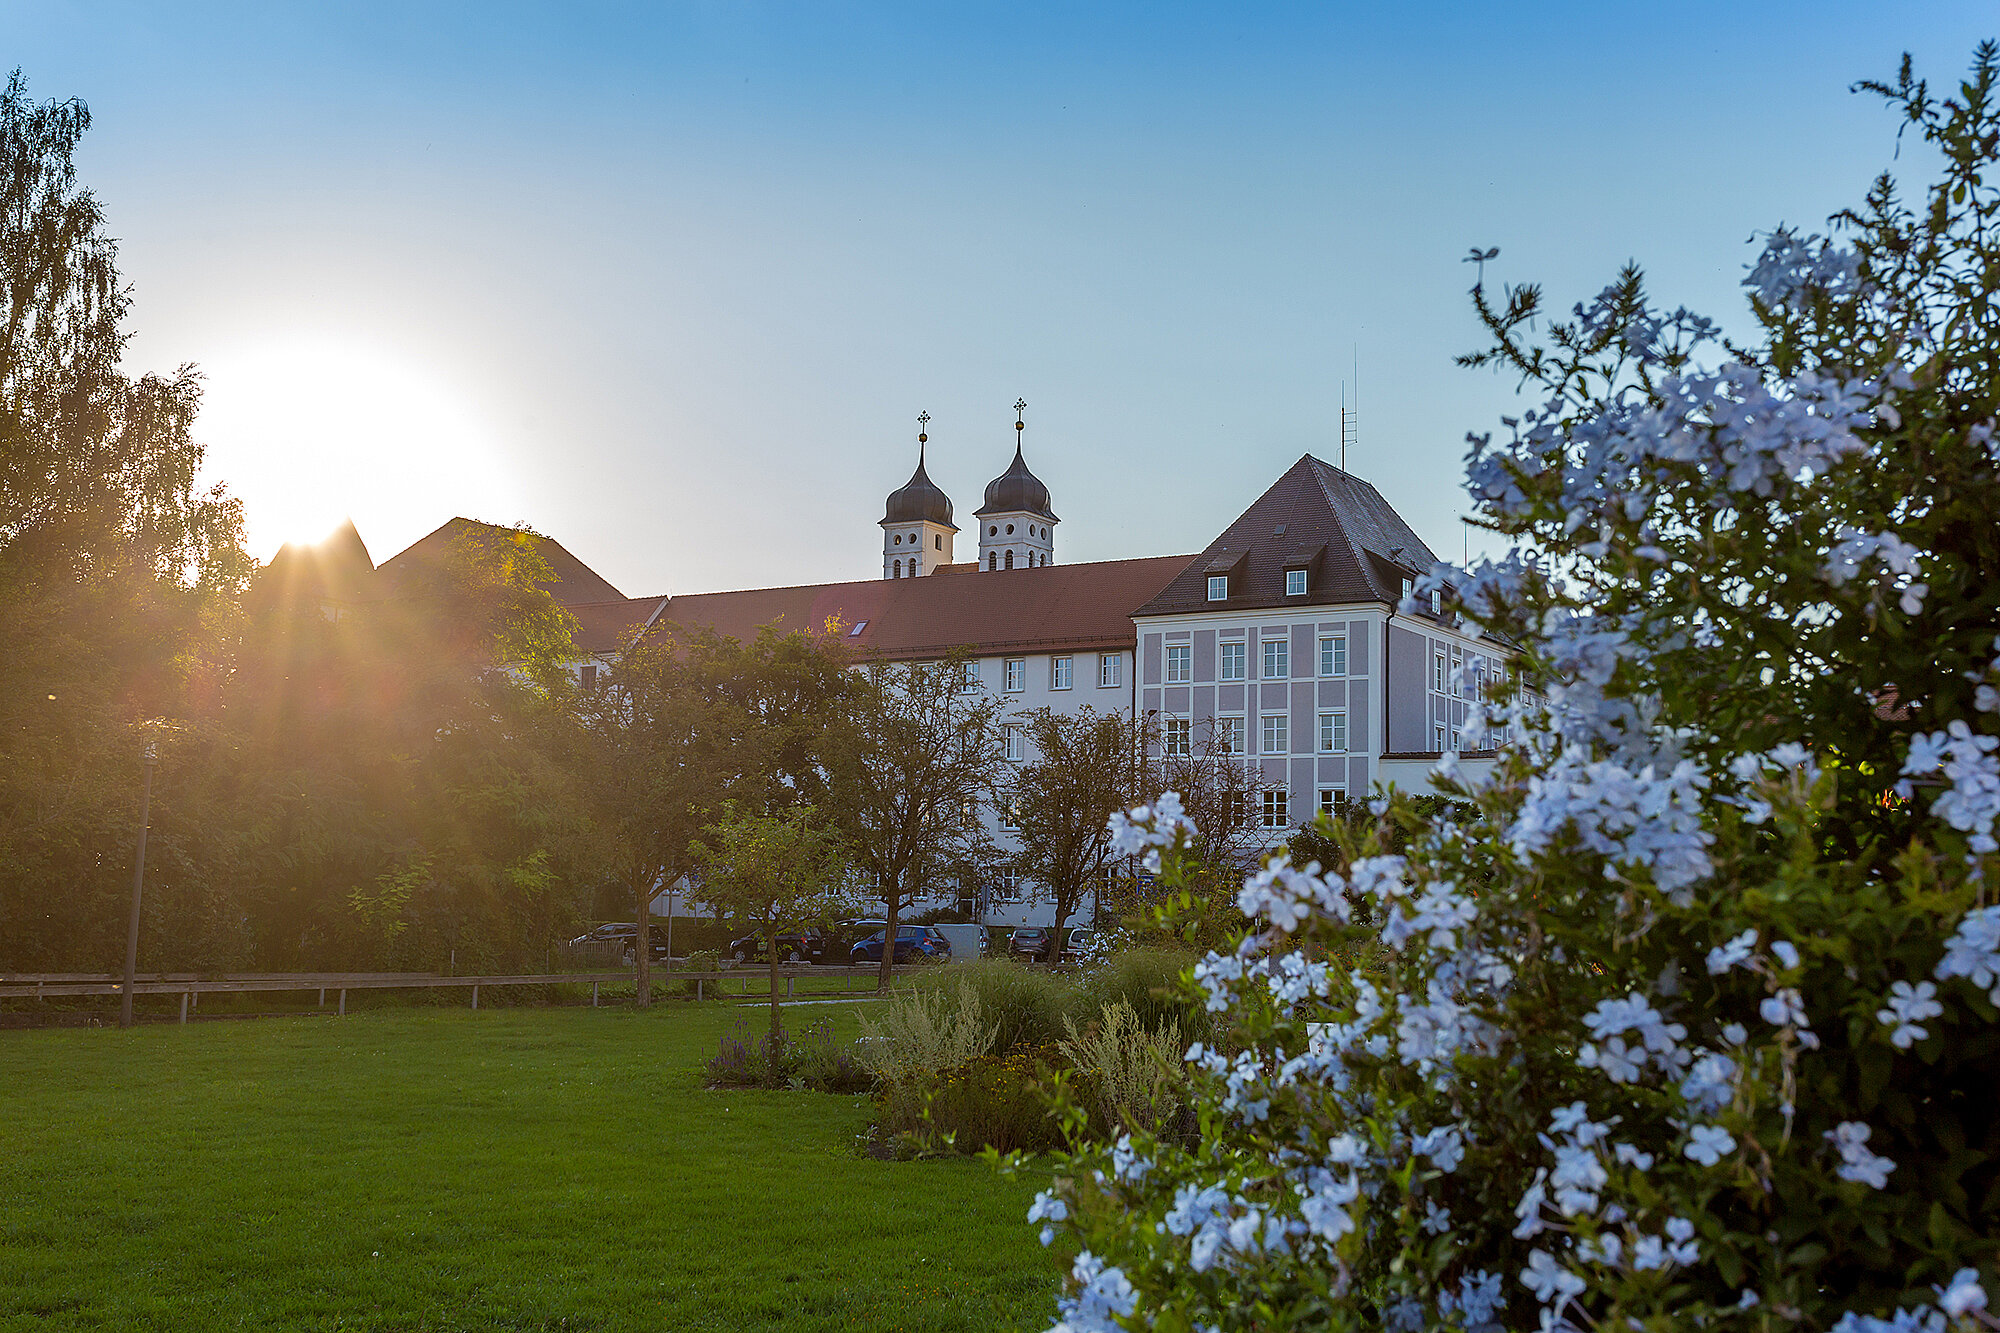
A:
x: 189, y: 987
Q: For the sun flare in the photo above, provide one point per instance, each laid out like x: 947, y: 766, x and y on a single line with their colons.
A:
x: 310, y: 432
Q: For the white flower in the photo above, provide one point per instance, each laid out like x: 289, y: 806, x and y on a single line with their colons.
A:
x: 1786, y: 1008
x: 1908, y: 1007
x: 1963, y: 1295
x: 1973, y: 951
x: 1736, y: 952
x: 1548, y: 1279
x: 1708, y: 1144
x: 1857, y: 1162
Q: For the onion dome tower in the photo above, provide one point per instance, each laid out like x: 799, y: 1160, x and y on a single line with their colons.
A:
x: 917, y: 530
x: 1016, y: 524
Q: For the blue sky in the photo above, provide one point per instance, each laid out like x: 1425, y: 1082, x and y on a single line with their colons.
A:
x: 672, y: 282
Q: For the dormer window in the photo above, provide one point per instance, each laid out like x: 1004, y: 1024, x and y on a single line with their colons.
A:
x: 1218, y: 587
x: 1295, y: 583
x: 1437, y: 602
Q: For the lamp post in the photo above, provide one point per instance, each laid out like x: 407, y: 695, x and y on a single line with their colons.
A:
x: 138, y: 887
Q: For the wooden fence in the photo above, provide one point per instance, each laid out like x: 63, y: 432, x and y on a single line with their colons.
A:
x: 189, y: 986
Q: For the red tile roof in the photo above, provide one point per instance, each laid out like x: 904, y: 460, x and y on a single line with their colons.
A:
x: 612, y: 627
x: 1074, y: 607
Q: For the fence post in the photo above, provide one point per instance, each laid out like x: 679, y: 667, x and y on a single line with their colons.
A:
x: 788, y: 985
x: 184, y: 1006
x: 343, y: 1001
x: 475, y: 997
x: 697, y: 992
x: 322, y: 997
x: 593, y: 995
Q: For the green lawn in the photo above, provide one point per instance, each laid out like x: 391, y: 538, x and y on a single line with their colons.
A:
x: 443, y: 1169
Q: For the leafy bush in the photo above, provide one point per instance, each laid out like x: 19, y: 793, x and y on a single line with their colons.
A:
x: 1135, y: 1075
x: 1694, y: 1026
x: 810, y: 1060
x: 924, y: 1032
x: 1025, y: 1006
x: 992, y: 1101
x: 1153, y: 983
x: 706, y: 960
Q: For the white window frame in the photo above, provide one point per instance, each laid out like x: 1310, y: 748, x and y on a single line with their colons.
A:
x: 1007, y: 885
x: 970, y: 680
x: 1333, y: 654
x: 1274, y: 733
x: 1242, y: 656
x: 1232, y: 734
x: 1437, y: 735
x: 1014, y: 675
x: 1276, y: 653
x: 1180, y: 663
x: 1011, y: 738
x: 1062, y: 671
x: 1110, y: 670
x: 1295, y: 583
x: 1333, y: 731
x: 1218, y: 587
x: 1274, y: 810
x: 1177, y: 737
x: 1010, y: 819
x: 1440, y: 670
x: 1328, y: 798
x: 1457, y: 665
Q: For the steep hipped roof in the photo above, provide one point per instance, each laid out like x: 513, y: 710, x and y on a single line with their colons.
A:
x: 575, y: 583
x: 337, y: 568
x: 1071, y: 607
x: 1369, y: 549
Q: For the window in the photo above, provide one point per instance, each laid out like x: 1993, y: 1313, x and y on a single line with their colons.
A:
x: 589, y: 675
x: 859, y: 625
x: 1229, y: 735
x: 1333, y: 655
x: 1010, y: 553
x: 1437, y: 602
x: 1438, y: 671
x: 1333, y: 733
x: 1233, y: 811
x: 1007, y: 885
x: 937, y: 542
x: 1275, y: 812
x: 1438, y: 737
x: 1218, y: 587
x: 1178, y: 657
x: 913, y: 568
x: 899, y: 569
x: 1408, y: 588
x: 1059, y: 672
x: 1456, y: 744
x: 1011, y: 736
x: 1174, y: 738
x: 971, y: 678
x: 1277, y: 659
x: 1014, y: 675
x: 1234, y: 667
x: 1329, y: 800
x: 992, y: 560
x: 1110, y: 669
x: 1457, y: 662
x: 1276, y: 733
x: 1295, y: 583
x: 1010, y: 815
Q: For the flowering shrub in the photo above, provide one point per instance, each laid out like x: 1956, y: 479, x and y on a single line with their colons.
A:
x: 991, y: 1101
x: 1698, y: 1023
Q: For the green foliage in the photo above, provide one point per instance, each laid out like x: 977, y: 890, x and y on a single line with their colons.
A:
x: 997, y: 1102
x: 925, y: 1032
x: 1026, y: 1007
x: 1134, y: 1074
x: 1152, y: 982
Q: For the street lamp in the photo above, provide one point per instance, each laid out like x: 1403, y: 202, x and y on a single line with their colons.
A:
x: 138, y: 887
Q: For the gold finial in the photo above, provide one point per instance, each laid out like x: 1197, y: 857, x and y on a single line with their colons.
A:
x: 923, y: 420
x: 1020, y: 406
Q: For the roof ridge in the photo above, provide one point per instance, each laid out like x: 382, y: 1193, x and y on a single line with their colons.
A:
x: 1319, y: 470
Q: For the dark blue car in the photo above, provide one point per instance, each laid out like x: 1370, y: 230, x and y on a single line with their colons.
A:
x: 912, y: 942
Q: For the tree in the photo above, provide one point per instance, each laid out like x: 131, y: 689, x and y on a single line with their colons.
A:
x: 1084, y: 768
x: 775, y: 871
x: 1695, y: 1025
x: 913, y: 763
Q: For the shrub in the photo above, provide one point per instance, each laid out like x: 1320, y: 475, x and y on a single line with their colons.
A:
x: 1025, y: 1006
x: 808, y: 1060
x: 1694, y: 1026
x: 1153, y: 982
x: 992, y: 1101
x: 1135, y: 1075
x: 922, y: 1032
x: 706, y: 960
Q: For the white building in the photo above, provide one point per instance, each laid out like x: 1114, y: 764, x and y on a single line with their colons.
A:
x: 1282, y: 639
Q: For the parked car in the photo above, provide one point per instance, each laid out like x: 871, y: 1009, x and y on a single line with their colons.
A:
x: 794, y: 946
x: 912, y: 943
x: 1030, y: 942
x: 616, y: 938
x: 1081, y: 944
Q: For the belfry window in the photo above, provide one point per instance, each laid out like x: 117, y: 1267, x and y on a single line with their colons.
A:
x: 899, y: 569
x: 992, y: 560
x: 1010, y: 559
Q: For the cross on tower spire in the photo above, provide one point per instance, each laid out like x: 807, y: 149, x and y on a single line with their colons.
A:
x: 1020, y: 406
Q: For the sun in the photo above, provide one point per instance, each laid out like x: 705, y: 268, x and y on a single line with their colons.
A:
x: 312, y: 430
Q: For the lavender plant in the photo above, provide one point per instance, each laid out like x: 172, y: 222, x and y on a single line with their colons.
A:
x: 1698, y: 1024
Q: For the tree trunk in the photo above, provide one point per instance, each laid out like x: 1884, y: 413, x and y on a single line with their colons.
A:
x: 777, y: 1025
x: 642, y: 947
x: 888, y: 970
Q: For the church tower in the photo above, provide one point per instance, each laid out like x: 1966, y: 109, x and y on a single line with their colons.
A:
x: 917, y: 530
x: 1016, y: 524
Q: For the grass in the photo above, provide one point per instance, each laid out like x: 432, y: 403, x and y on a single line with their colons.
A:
x: 446, y: 1170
